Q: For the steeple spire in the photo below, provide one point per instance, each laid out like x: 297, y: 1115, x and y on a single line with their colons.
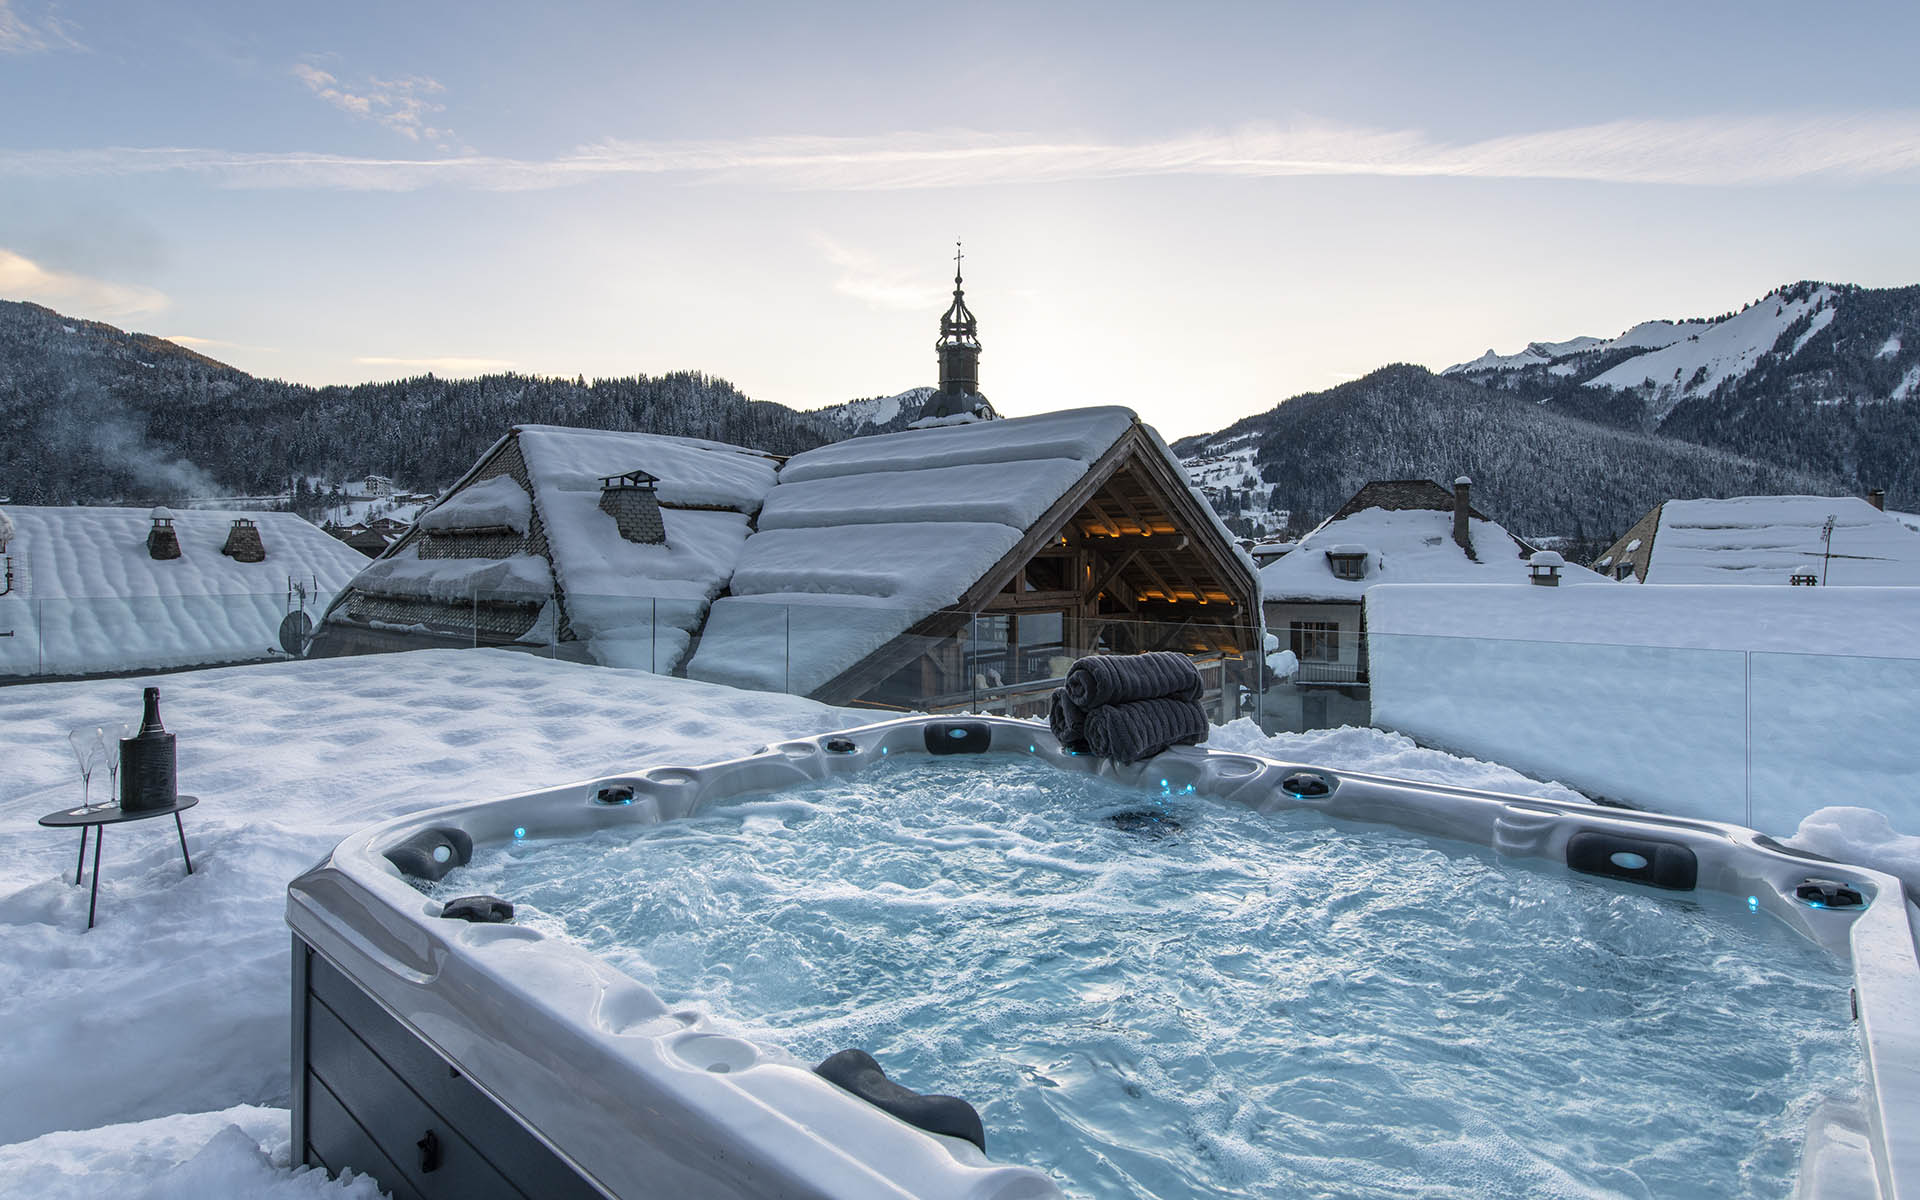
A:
x: 958, y: 348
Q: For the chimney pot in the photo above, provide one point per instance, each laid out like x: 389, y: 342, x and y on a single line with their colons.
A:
x: 162, y: 542
x: 1878, y: 498
x: 1462, y: 506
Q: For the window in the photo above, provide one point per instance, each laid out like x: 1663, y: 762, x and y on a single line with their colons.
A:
x: 1347, y: 566
x: 1315, y: 641
x: 1622, y: 571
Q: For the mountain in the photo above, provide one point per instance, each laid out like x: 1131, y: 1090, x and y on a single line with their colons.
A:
x: 1819, y: 376
x: 1536, y: 470
x: 92, y: 414
x: 875, y: 414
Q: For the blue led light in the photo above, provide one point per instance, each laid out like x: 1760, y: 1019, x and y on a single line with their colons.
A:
x: 883, y: 749
x: 1753, y: 904
x: 1163, y: 783
x: 519, y: 831
x: 1029, y: 749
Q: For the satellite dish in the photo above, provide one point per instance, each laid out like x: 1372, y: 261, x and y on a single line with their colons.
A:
x: 296, y: 633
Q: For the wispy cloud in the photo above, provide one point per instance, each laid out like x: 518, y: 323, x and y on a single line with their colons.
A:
x: 441, y: 366
x: 23, y: 279
x: 1706, y: 151
x: 403, y: 105
x: 874, y: 283
x: 21, y: 35
x: 201, y: 343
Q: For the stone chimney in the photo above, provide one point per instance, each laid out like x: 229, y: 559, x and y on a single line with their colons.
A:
x: 1878, y: 498
x: 162, y: 542
x: 631, y: 500
x: 243, y: 542
x: 1461, y: 507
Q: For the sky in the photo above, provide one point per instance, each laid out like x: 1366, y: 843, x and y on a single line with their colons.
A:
x: 1195, y: 210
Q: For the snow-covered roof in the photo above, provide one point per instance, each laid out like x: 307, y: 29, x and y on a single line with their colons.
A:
x: 636, y: 604
x: 89, y: 598
x: 1768, y: 539
x: 1413, y: 545
x: 861, y: 539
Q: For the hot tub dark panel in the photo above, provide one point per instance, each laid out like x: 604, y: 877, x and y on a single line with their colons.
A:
x: 1640, y: 860
x: 958, y: 737
x: 371, y: 1095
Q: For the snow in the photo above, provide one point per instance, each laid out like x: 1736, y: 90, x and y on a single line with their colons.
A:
x: 88, y: 597
x: 177, y: 1001
x: 1546, y: 558
x: 809, y: 603
x: 452, y: 580
x: 639, y: 605
x: 1888, y: 348
x: 1722, y: 350
x: 1821, y: 320
x: 1751, y: 705
x: 1535, y: 354
x: 1403, y: 546
x: 985, y: 492
x: 140, y: 1037
x: 1768, y: 539
x: 241, y: 1151
x: 1648, y: 335
x: 1228, y: 464
x: 690, y: 470
x: 1079, y: 433
x: 497, y: 503
x: 1907, y: 385
x: 1849, y: 834
x: 862, y: 539
x: 1910, y: 520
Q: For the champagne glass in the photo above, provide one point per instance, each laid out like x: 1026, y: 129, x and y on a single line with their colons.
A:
x: 108, y: 738
x: 86, y: 753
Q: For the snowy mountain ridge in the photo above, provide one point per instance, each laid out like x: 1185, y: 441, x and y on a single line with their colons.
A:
x: 1666, y: 363
x: 873, y: 414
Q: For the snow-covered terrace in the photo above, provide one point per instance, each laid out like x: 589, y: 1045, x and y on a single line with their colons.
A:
x: 133, y: 1048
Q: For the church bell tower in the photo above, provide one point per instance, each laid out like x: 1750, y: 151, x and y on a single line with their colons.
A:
x: 959, y: 350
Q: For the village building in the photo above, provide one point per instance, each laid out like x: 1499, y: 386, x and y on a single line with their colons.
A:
x: 1842, y: 541
x: 964, y: 563
x: 1390, y: 531
x: 370, y: 537
x: 96, y: 591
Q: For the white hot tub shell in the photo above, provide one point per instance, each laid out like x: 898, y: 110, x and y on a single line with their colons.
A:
x: 450, y: 1058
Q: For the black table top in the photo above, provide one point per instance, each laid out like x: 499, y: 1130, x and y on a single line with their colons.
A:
x: 112, y: 814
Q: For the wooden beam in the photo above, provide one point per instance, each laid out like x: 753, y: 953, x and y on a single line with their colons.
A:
x: 1113, y: 573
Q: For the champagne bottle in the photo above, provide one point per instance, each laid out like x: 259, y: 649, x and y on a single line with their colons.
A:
x: 147, y: 762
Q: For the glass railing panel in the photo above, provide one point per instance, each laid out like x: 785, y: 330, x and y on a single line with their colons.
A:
x: 1833, y: 730
x: 1651, y: 727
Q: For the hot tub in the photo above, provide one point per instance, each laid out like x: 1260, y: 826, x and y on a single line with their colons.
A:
x: 451, y: 1057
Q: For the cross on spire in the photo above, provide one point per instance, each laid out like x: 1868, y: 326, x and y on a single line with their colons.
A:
x: 956, y: 262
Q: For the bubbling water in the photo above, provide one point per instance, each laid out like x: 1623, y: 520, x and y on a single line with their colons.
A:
x: 1169, y: 996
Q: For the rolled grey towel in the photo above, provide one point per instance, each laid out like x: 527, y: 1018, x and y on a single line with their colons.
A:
x: 1141, y: 729
x: 1068, y: 721
x: 1117, y: 678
